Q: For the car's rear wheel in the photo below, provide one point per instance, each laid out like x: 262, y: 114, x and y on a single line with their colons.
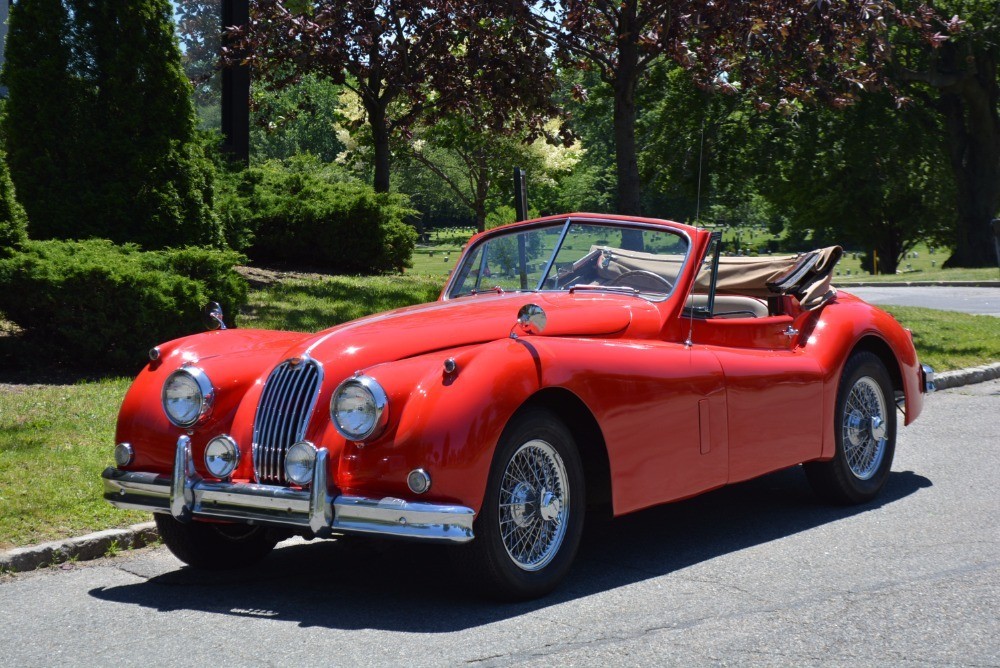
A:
x: 865, y: 432
x: 214, y: 546
x: 529, y: 527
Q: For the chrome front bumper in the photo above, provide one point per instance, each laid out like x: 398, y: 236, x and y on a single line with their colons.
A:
x: 186, y: 495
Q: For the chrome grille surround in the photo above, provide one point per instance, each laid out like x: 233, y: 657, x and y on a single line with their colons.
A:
x: 286, y: 403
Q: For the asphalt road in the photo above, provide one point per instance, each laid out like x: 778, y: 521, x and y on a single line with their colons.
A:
x: 980, y: 301
x: 758, y: 573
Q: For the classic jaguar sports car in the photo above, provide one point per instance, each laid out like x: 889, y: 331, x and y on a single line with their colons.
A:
x: 573, y: 361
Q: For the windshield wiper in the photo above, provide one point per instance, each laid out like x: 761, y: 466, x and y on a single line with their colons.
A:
x: 606, y: 288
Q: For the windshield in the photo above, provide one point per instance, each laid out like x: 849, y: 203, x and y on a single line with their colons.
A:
x: 575, y: 255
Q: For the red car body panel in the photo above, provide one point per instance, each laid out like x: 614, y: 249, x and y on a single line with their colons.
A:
x: 743, y: 398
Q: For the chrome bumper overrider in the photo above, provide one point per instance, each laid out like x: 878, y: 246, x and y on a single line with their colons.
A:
x: 927, y: 374
x: 185, y: 495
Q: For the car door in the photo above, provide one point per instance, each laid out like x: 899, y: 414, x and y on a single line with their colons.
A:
x: 774, y: 387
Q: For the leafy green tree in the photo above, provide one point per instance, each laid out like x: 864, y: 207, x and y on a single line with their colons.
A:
x: 781, y: 50
x: 872, y: 176
x: 100, y: 126
x: 961, y: 80
x: 301, y: 118
x: 199, y: 29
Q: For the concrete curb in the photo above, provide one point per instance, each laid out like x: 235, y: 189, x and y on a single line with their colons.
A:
x: 82, y: 548
x: 847, y: 285
x: 96, y: 545
x: 970, y: 376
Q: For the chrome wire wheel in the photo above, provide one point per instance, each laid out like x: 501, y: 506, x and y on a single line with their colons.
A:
x: 534, y: 505
x: 864, y: 428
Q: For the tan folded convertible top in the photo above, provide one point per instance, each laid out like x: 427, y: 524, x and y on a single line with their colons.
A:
x: 807, y: 276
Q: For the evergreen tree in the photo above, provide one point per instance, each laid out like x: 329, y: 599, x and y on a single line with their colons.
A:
x: 43, y: 117
x: 120, y: 159
x: 13, y: 222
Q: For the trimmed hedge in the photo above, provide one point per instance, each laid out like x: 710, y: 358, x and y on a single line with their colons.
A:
x: 94, y: 304
x: 302, y: 212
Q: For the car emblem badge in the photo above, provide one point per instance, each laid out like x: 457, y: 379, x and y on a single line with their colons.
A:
x: 295, y: 361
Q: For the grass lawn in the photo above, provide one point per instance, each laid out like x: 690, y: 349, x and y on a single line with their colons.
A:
x: 55, y: 440
x: 947, y: 340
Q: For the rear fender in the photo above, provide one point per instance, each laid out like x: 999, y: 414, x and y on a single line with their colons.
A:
x: 849, y: 325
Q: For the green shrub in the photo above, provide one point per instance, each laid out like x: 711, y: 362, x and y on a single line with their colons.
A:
x: 304, y: 212
x: 100, y: 305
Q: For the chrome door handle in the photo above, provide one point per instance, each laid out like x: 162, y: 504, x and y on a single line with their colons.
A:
x: 790, y: 332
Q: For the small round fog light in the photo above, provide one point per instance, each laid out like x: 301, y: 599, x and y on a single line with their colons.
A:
x: 222, y: 456
x: 418, y: 481
x: 123, y: 454
x: 299, y: 462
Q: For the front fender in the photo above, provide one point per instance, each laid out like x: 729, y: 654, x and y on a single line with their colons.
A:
x: 141, y: 420
x: 446, y: 423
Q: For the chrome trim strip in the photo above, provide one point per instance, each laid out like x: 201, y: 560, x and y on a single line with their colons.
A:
x: 185, y: 495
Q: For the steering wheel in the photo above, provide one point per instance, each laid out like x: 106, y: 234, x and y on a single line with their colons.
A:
x: 642, y: 280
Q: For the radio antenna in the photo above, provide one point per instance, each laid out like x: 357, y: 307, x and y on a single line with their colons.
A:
x: 701, y: 155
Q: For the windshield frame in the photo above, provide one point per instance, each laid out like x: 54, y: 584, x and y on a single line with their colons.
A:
x: 453, y: 280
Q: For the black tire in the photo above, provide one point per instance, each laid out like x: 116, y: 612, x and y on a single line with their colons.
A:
x: 863, y: 458
x: 534, y: 435
x: 214, y: 547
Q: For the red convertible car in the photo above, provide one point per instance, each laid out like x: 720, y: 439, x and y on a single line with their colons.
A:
x: 574, y: 361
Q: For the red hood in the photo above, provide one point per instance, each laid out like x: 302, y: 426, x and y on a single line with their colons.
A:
x: 469, y: 320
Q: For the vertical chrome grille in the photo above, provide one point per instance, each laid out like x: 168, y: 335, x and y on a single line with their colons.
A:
x: 283, y: 415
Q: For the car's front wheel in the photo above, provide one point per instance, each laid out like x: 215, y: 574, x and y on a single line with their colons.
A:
x: 214, y: 546
x: 529, y: 527
x: 865, y: 432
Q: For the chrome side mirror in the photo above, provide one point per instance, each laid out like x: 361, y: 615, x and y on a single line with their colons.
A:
x: 531, y: 319
x: 211, y: 315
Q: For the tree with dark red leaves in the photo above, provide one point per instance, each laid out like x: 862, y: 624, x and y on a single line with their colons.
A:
x: 782, y: 52
x: 405, y: 59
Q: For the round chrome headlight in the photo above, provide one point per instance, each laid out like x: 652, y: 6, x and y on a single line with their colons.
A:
x: 187, y: 396
x: 299, y: 463
x: 222, y: 456
x: 359, y: 408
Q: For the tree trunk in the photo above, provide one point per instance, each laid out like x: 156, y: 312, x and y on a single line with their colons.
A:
x: 629, y: 187
x: 482, y: 181
x: 380, y: 138
x: 973, y: 125
x: 627, y: 163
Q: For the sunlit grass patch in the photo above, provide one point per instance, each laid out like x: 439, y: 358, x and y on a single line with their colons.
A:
x: 948, y: 340
x: 311, y: 305
x: 54, y: 442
